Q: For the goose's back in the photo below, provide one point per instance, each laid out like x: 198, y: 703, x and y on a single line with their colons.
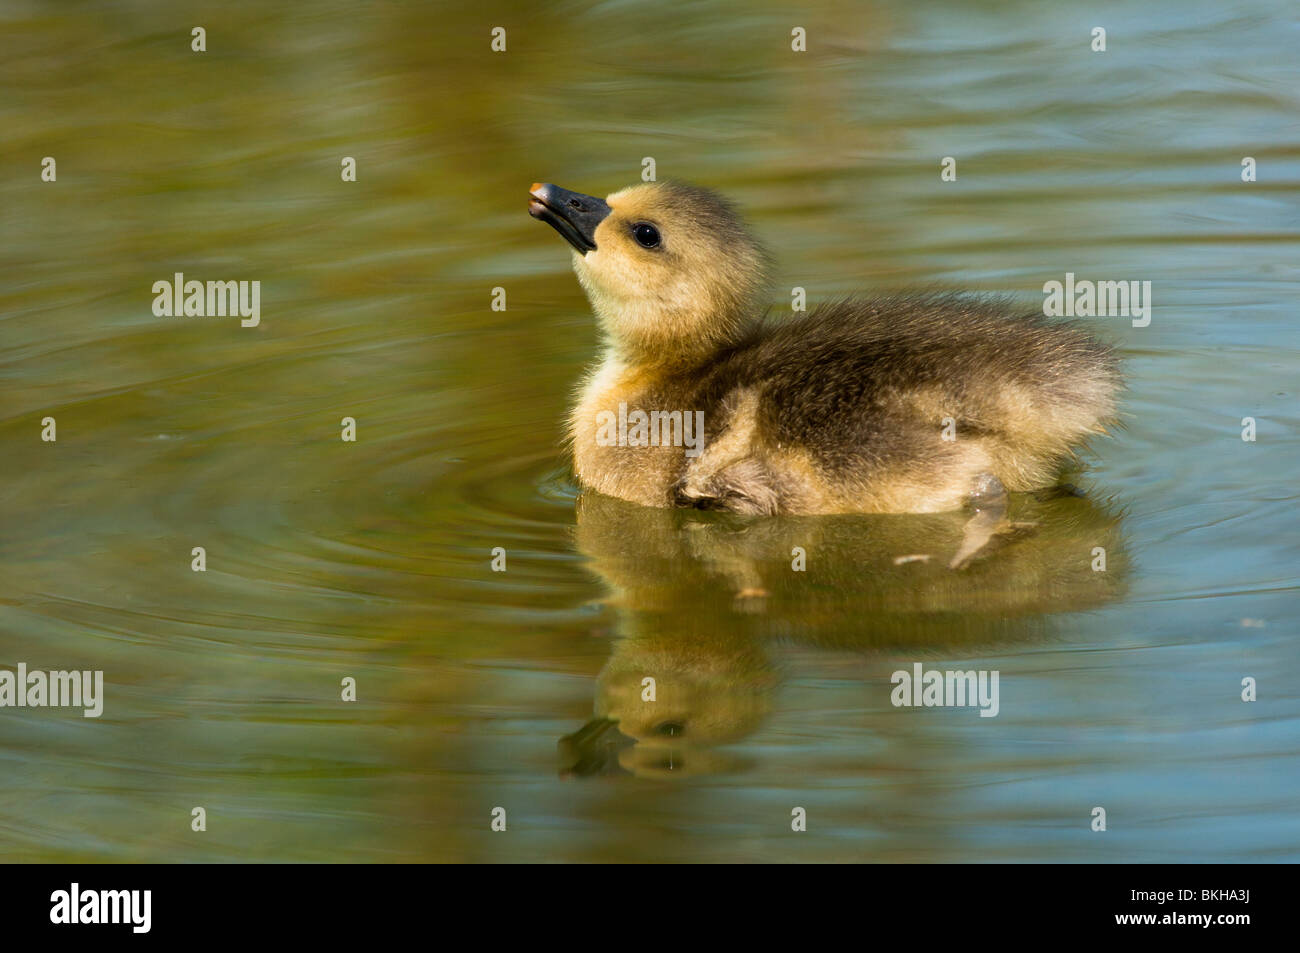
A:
x: 861, y: 376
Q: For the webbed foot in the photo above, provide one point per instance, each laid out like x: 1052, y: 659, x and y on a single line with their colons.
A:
x: 989, y: 500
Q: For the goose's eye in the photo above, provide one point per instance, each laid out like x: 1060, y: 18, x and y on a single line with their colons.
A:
x: 646, y: 235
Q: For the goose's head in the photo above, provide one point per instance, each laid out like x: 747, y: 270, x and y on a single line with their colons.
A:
x: 670, y: 269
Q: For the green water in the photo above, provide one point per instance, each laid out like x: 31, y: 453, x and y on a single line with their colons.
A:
x: 371, y: 559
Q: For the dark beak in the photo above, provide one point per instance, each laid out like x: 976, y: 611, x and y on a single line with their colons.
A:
x: 572, y: 214
x: 593, y: 749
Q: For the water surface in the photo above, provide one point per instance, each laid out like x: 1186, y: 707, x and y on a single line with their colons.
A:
x: 371, y: 560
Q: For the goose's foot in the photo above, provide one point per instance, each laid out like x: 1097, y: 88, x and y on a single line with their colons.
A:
x: 989, y: 523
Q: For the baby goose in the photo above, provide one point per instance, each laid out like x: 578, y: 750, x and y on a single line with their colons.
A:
x: 906, y: 404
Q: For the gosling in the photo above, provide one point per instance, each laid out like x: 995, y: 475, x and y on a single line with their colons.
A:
x: 905, y: 404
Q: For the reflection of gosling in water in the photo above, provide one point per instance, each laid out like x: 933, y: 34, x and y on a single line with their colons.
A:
x: 906, y: 404
x: 698, y: 688
x: 670, y: 576
x: 665, y: 699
